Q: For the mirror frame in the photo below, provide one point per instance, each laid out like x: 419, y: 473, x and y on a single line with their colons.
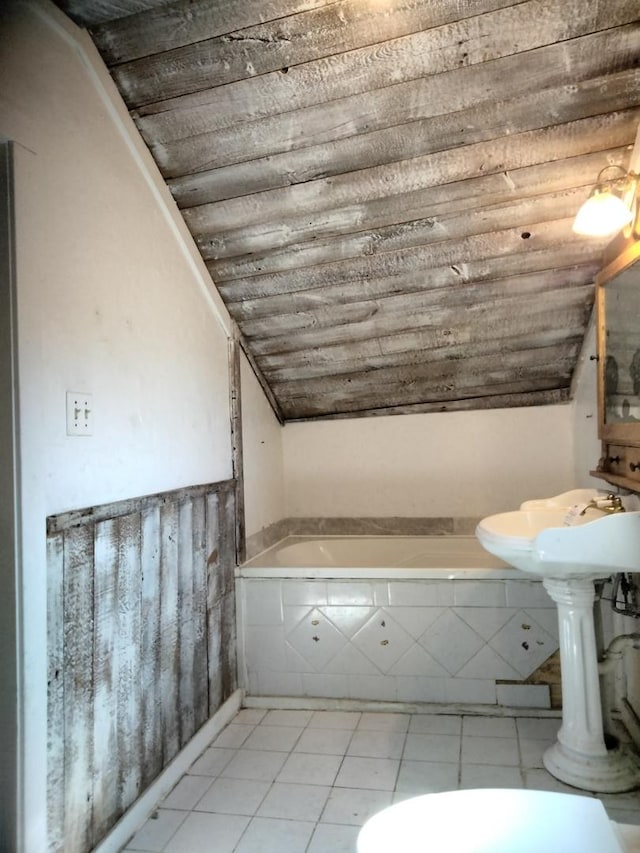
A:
x: 622, y: 253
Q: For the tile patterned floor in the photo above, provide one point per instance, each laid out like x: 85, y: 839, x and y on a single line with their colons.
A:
x: 305, y: 781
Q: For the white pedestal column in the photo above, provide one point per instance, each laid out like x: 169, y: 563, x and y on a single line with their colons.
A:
x: 580, y: 756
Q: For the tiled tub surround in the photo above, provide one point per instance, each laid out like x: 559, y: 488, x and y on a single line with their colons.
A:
x: 445, y: 635
x: 359, y: 526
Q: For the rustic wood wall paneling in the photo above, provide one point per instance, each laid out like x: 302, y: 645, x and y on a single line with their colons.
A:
x: 131, y: 634
x: 106, y: 678
x: 150, y: 644
x: 79, y: 639
x: 56, y: 785
x: 235, y: 409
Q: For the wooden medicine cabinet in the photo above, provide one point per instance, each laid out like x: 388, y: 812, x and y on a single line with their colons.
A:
x: 618, y: 325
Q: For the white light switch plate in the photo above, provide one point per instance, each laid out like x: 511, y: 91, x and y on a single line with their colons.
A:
x: 79, y: 413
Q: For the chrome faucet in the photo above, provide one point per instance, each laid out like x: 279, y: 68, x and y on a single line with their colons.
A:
x: 608, y: 503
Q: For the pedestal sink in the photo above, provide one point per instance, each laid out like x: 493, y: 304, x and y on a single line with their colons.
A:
x: 569, y: 557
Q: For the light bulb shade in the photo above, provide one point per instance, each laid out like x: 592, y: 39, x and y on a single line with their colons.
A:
x: 603, y: 213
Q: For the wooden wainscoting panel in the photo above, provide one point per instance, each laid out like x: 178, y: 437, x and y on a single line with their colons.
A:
x: 141, y: 648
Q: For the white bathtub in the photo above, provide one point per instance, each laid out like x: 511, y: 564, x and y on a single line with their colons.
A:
x: 392, y: 618
x: 409, y: 557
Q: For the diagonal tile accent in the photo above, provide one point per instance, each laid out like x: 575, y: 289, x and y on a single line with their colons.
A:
x: 451, y: 642
x: 523, y: 643
x: 416, y: 620
x: 485, y: 621
x: 316, y: 639
x: 348, y: 619
x: 488, y: 664
x: 382, y: 640
x: 416, y: 661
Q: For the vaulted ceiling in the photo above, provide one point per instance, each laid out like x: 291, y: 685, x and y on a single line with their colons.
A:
x: 383, y: 190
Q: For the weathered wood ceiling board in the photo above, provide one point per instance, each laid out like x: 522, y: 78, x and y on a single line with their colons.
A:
x: 383, y: 190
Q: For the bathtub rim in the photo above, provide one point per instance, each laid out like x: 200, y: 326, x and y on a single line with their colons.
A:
x: 348, y: 573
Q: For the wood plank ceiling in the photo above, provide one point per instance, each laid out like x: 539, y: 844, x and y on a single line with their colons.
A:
x: 383, y: 190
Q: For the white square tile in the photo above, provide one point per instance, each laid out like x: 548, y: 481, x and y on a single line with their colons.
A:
x: 354, y: 806
x: 254, y: 764
x: 470, y: 690
x: 332, y: 838
x: 186, y: 793
x: 278, y: 738
x: 524, y: 695
x: 325, y: 684
x: 547, y: 618
x: 427, y: 777
x: 418, y: 662
x: 384, y: 722
x: 381, y: 594
x: 234, y: 796
x: 249, y: 716
x: 157, y: 831
x: 310, y: 769
x: 527, y: 593
x: 479, y: 593
x: 263, y: 602
x: 490, y: 750
x: 264, y: 649
x: 489, y: 726
x: 380, y: 688
x: 425, y: 594
x: 316, y: 639
x: 488, y: 664
x: 349, y: 592
x: 232, y: 737
x: 436, y: 724
x: 294, y: 801
x: 485, y: 621
x: 324, y: 741
x: 350, y: 661
x: 279, y: 684
x: 376, y: 773
x: 212, y: 762
x: 335, y: 719
x: 540, y: 780
x: 538, y: 728
x: 293, y: 615
x: 273, y: 835
x: 377, y: 744
x: 432, y: 747
x: 523, y: 644
x: 532, y: 751
x: 347, y: 618
x: 415, y: 620
x: 490, y: 776
x: 451, y: 642
x: 283, y: 717
x: 419, y: 688
x: 199, y: 828
x: 304, y: 592
x: 382, y: 640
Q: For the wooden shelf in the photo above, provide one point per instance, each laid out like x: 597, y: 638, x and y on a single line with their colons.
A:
x: 617, y: 480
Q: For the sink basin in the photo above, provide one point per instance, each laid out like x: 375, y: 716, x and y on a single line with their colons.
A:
x: 537, y: 541
x: 566, y: 499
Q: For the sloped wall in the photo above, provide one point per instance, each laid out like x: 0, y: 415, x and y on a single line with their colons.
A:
x: 112, y: 300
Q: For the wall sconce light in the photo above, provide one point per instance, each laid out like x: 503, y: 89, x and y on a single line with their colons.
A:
x: 610, y: 206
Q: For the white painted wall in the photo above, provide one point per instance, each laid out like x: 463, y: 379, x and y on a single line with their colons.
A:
x: 449, y: 464
x: 262, y: 453
x: 110, y: 301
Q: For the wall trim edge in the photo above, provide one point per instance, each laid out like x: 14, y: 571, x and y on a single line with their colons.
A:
x: 133, y: 818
